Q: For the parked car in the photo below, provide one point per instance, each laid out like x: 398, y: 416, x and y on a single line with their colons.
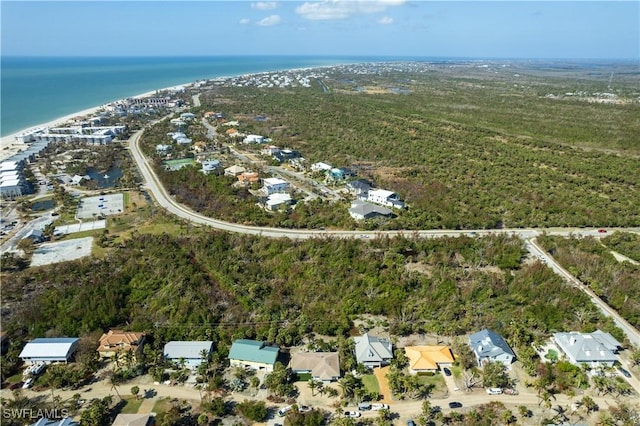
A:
x: 509, y: 391
x: 27, y: 383
x: 377, y: 407
x: 411, y: 423
x: 494, y: 391
x: 446, y: 371
x: 303, y: 408
x: 455, y: 404
x: 624, y: 372
x: 284, y: 410
x: 17, y: 385
x: 364, y: 406
x: 602, y: 231
x: 353, y: 414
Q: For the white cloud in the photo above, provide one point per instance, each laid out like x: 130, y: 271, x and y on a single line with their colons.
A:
x: 386, y: 20
x: 264, y: 5
x: 269, y: 21
x: 342, y: 9
x: 244, y: 21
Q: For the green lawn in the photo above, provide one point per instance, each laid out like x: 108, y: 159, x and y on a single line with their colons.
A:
x: 132, y: 405
x: 161, y: 406
x: 370, y: 383
x: 436, y: 380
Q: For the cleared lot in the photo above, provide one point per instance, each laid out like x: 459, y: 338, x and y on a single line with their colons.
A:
x: 62, y: 251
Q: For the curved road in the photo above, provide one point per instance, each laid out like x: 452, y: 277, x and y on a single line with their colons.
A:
x: 164, y: 199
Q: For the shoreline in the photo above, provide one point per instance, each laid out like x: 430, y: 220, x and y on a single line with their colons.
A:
x: 9, y: 146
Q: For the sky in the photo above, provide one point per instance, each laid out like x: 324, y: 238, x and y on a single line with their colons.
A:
x: 468, y: 29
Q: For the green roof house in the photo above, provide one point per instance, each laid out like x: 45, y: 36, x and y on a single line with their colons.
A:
x: 253, y: 354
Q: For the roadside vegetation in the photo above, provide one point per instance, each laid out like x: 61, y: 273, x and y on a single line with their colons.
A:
x: 591, y: 261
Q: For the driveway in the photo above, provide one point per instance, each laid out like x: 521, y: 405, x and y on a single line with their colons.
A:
x: 383, y: 383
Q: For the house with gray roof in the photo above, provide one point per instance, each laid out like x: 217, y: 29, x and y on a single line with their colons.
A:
x: 253, y: 354
x: 361, y: 210
x: 191, y: 353
x: 323, y: 366
x: 489, y: 346
x: 373, y: 351
x: 48, y: 350
x: 594, y: 349
x: 65, y: 421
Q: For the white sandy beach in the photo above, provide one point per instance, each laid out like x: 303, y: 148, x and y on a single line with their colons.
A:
x: 9, y: 146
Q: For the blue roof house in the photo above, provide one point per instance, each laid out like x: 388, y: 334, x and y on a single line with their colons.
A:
x: 253, y: 354
x: 489, y: 346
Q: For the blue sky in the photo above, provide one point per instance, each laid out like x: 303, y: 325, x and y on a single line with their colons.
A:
x: 500, y: 29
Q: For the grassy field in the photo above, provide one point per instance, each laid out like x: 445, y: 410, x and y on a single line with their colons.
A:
x: 370, y: 383
x: 132, y: 406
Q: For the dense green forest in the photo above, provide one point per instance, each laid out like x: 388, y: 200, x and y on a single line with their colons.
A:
x: 591, y: 261
x: 225, y: 286
x: 464, y: 150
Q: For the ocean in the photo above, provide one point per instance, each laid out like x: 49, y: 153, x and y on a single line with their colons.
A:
x: 36, y: 90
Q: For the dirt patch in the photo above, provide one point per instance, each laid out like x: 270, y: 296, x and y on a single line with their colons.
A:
x: 420, y: 267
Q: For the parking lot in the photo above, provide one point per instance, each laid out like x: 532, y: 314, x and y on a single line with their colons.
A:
x: 102, y: 205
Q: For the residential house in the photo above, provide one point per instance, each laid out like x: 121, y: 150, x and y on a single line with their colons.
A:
x: 323, y: 366
x: 428, y: 358
x: 385, y: 198
x: 285, y: 155
x: 134, y: 420
x: 278, y: 200
x: 209, y: 166
x: 373, y: 351
x: 489, y: 346
x: 594, y: 349
x: 116, y: 342
x: 248, y: 178
x: 162, y: 149
x: 253, y: 139
x: 65, y: 421
x: 341, y: 173
x: 35, y: 235
x: 253, y: 354
x: 48, y: 350
x: 187, y: 116
x: 359, y: 187
x: 321, y: 167
x: 361, y: 210
x: 234, y: 170
x: 189, y: 353
x: 231, y: 132
x: 269, y: 150
x: 273, y: 185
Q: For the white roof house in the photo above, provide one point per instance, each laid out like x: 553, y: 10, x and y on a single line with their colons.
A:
x: 594, y: 349
x: 386, y: 198
x: 59, y: 349
x: 490, y: 346
x: 273, y: 185
x: 253, y: 139
x: 321, y: 167
x: 189, y: 351
x: 373, y: 351
x: 274, y: 201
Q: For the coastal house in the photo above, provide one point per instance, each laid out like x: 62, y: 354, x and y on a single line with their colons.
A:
x: 361, y: 210
x: 489, y: 346
x: 253, y: 354
x: 385, y: 198
x: 65, y: 421
x: 373, y: 351
x: 115, y: 342
x: 163, y: 149
x: 253, y: 139
x: 209, y: 166
x: 273, y: 185
x: 190, y: 353
x: 48, y: 350
x: 359, y: 187
x: 321, y: 167
x: 134, y: 420
x: 323, y: 366
x: 285, y: 155
x: 277, y: 201
x: 269, y: 150
x: 340, y: 173
x: 428, y: 358
x: 247, y: 178
x: 234, y: 170
x: 187, y: 116
x: 594, y: 349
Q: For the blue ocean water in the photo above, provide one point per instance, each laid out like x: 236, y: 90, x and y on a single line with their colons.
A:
x: 36, y: 90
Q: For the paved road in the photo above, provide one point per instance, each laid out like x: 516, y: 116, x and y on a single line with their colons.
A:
x: 528, y: 234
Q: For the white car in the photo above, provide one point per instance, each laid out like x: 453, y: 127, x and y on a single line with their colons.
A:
x: 284, y: 410
x: 353, y: 414
x: 376, y: 407
x: 27, y: 383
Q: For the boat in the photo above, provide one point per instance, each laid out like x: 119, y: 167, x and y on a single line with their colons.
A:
x: 106, y: 176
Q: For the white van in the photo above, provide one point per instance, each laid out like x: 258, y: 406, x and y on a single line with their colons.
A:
x: 494, y: 391
x: 284, y: 410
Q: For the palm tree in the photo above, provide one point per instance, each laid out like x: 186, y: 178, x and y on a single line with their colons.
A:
x: 313, y: 385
